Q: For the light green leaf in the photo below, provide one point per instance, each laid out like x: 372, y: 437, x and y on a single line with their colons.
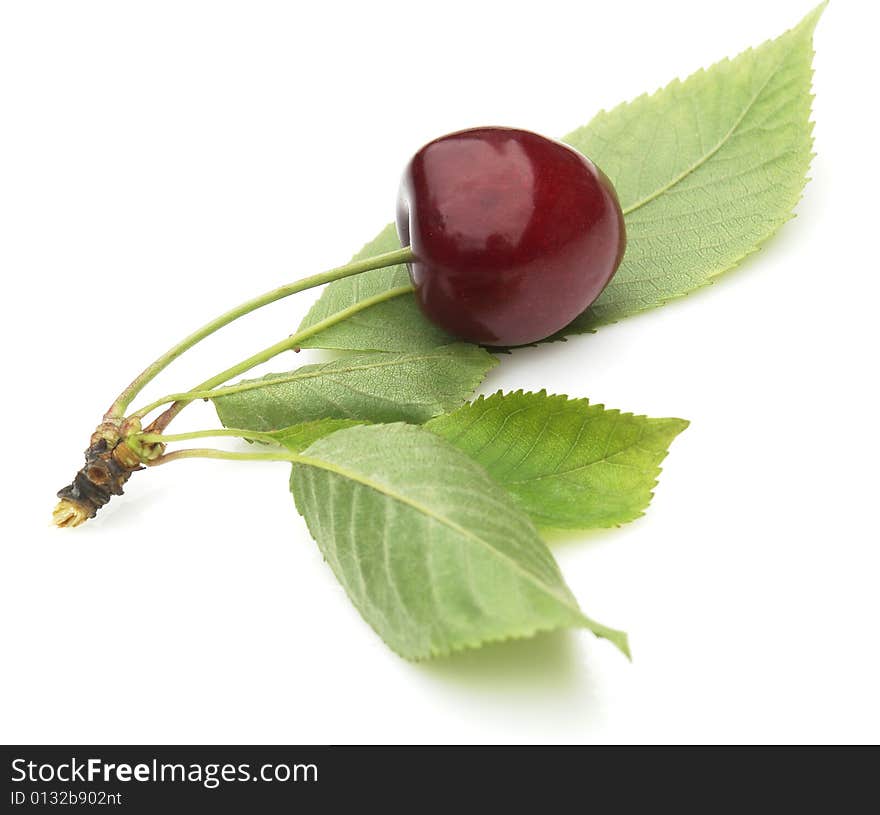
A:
x: 368, y: 387
x: 299, y: 436
x: 706, y: 169
x: 396, y: 325
x: 432, y: 552
x: 567, y: 463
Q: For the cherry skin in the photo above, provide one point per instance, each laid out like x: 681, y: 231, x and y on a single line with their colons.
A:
x: 514, y: 234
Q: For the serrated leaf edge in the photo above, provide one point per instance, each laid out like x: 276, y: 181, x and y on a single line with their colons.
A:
x: 616, y: 637
x: 585, y: 402
x: 808, y: 24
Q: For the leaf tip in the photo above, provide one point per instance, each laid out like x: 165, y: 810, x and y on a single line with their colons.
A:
x: 619, y: 639
x: 680, y: 425
x: 808, y: 24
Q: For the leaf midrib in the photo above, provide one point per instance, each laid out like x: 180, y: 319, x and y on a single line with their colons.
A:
x: 724, y: 140
x: 325, y: 370
x: 604, y: 459
x: 419, y: 507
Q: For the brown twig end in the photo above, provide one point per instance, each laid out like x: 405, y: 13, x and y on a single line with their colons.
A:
x: 69, y: 514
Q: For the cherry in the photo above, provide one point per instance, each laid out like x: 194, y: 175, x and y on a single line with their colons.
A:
x: 514, y: 234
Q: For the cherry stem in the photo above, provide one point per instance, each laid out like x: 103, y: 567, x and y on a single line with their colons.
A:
x: 288, y: 456
x: 235, y: 432
x: 209, y: 452
x: 118, y: 408
x: 203, y: 391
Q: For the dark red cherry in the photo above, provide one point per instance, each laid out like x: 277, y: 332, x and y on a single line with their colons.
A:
x: 513, y: 234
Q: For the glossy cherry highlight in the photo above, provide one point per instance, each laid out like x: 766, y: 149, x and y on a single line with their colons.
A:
x: 513, y: 234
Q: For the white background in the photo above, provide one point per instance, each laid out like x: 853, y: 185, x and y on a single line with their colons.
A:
x: 160, y: 162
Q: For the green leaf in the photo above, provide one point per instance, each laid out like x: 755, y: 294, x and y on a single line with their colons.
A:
x: 432, y: 552
x: 368, y: 387
x: 565, y: 462
x: 299, y: 436
x: 706, y: 170
x: 396, y: 325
